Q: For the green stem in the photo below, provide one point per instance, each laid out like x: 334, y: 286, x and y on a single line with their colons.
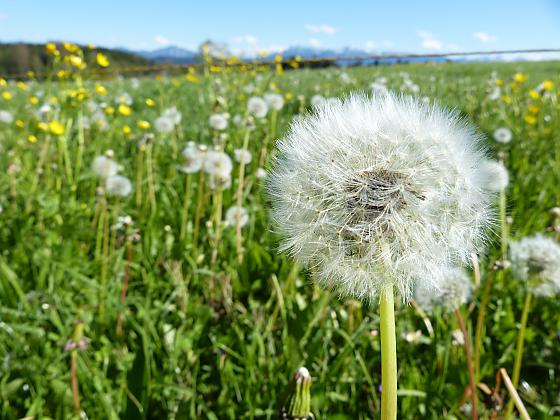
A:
x: 503, y: 223
x: 388, y: 356
x: 468, y: 354
x: 480, y: 323
x: 186, y: 204
x: 519, y: 350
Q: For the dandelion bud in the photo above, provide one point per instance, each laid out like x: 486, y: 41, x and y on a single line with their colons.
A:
x: 297, y: 405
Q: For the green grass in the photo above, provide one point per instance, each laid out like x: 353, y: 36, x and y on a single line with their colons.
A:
x: 222, y: 340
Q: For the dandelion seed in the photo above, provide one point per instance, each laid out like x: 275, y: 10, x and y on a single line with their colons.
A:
x: 260, y: 173
x: 173, y: 114
x: 381, y: 191
x: 193, y: 156
x: 118, y: 185
x: 317, y: 101
x: 503, y: 135
x: 452, y: 294
x: 6, y: 117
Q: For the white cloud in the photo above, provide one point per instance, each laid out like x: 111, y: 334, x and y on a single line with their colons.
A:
x: 429, y: 41
x: 314, y: 42
x: 162, y: 41
x: 388, y: 44
x: 484, y: 37
x: 321, y: 29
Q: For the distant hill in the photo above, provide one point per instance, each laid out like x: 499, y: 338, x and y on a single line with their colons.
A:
x: 172, y: 54
x: 19, y: 58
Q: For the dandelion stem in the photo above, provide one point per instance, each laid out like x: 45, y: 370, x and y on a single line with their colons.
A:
x: 104, y: 263
x: 198, y: 211
x: 480, y: 323
x: 470, y: 368
x: 151, y: 179
x: 139, y: 175
x: 503, y: 223
x: 388, y: 355
x: 240, y: 184
x: 218, y: 197
x: 519, y: 350
x: 186, y: 204
x: 74, y: 375
x: 124, y: 289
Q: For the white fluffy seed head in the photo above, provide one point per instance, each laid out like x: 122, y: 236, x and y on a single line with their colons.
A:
x: 218, y: 122
x: 164, y: 124
x: 497, y: 175
x: 118, y: 185
x: 377, y: 191
x: 536, y: 260
x: 274, y: 100
x: 503, y: 135
x: 173, y: 114
x: 193, y: 158
x: 236, y: 215
x: 257, y: 107
x: 452, y: 294
x: 104, y: 166
x: 6, y: 117
x: 243, y: 155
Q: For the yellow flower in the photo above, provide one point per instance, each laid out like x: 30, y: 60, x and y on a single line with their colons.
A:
x: 22, y: 85
x: 100, y: 89
x: 548, y: 85
x: 7, y: 95
x: 143, y: 124
x: 530, y: 119
x: 71, y: 48
x: 43, y: 126
x: 507, y: 99
x: 192, y: 78
x: 150, y: 102
x: 533, y: 109
x: 32, y: 139
x: 30, y: 74
x: 126, y: 130
x: 519, y: 77
x: 3, y: 82
x: 51, y: 48
x: 288, y: 96
x: 109, y: 110
x: 77, y: 61
x: 56, y: 128
x: 102, y: 60
x: 91, y: 46
x: 125, y: 110
x: 61, y: 74
x: 499, y: 82
x: 534, y: 94
x: 20, y: 124
x: 33, y: 100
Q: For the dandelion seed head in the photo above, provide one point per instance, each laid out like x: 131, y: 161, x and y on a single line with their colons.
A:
x: 6, y: 117
x: 164, y: 124
x: 257, y: 107
x: 118, y: 185
x: 104, y: 166
x: 218, y: 122
x: 451, y: 294
x: 193, y: 158
x: 503, y: 135
x: 275, y: 101
x: 536, y: 260
x: 497, y: 175
x: 242, y: 155
x: 237, y: 215
x: 376, y: 191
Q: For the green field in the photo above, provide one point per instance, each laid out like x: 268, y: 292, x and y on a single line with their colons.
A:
x: 215, y: 320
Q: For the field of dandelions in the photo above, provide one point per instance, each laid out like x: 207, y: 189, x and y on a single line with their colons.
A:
x: 140, y: 272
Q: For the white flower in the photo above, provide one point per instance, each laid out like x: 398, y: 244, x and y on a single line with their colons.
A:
x: 457, y: 338
x: 317, y: 101
x: 453, y: 293
x: 104, y: 167
x: 257, y: 107
x: 378, y: 88
x: 412, y: 337
x: 193, y: 156
x: 502, y: 135
x: 118, y: 185
x: 242, y: 155
x: 124, y: 99
x: 380, y: 191
x: 218, y: 121
x: 6, y: 117
x: 274, y: 101
x: 536, y: 260
x: 173, y: 115
x: 236, y: 215
x: 164, y: 124
x: 220, y: 181
x: 497, y: 178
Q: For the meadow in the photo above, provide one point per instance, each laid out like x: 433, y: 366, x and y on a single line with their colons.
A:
x: 163, y: 295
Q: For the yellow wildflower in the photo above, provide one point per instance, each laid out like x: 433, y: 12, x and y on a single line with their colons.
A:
x: 33, y: 100
x: 548, y: 85
x: 125, y: 110
x: 110, y: 110
x: 126, y: 130
x: 20, y: 124
x: 77, y: 61
x: 530, y: 119
x: 499, y: 82
x: 534, y: 94
x: 43, y: 126
x: 519, y: 77
x: 71, y: 48
x: 51, y: 48
x: 21, y: 85
x: 32, y: 139
x: 7, y: 95
x: 534, y: 109
x: 100, y: 89
x: 3, y: 82
x: 102, y: 60
x: 150, y: 102
x: 56, y: 128
x: 143, y: 124
x: 192, y: 78
x: 507, y: 99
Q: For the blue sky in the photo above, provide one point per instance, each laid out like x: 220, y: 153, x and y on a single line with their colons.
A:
x: 403, y: 26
